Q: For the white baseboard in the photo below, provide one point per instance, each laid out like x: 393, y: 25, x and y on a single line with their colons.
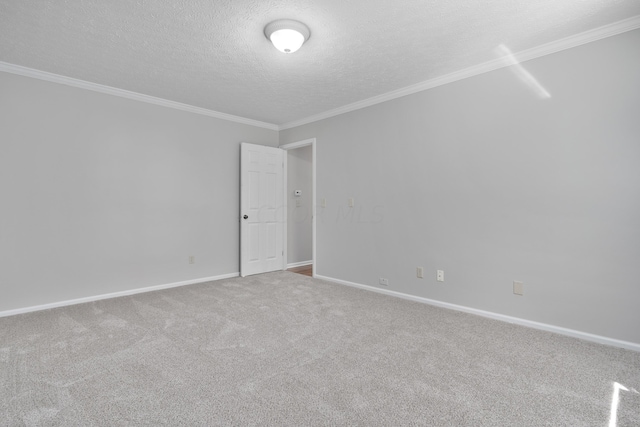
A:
x: 516, y: 320
x: 299, y: 264
x: 115, y: 294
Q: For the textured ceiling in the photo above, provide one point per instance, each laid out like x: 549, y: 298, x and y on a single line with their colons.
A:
x: 213, y: 54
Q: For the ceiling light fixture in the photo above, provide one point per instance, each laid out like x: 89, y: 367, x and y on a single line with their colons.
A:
x: 287, y: 35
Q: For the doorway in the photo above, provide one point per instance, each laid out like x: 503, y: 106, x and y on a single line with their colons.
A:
x: 300, y: 196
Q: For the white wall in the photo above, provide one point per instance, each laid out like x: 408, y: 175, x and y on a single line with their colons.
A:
x: 482, y: 179
x: 299, y: 227
x: 101, y: 194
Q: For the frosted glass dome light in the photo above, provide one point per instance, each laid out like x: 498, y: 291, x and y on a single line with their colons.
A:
x: 287, y: 41
x: 287, y: 35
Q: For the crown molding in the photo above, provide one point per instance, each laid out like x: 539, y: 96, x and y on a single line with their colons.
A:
x: 599, y: 33
x: 95, y: 87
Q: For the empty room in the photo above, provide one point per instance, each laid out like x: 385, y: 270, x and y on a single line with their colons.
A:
x: 301, y: 213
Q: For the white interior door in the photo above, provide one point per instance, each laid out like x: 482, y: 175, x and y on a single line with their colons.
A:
x: 262, y: 209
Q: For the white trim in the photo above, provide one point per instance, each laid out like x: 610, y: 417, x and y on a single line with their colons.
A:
x: 291, y: 146
x: 285, y: 199
x: 114, y: 295
x: 95, y: 87
x: 585, y: 37
x: 300, y: 264
x: 616, y: 28
x: 314, y: 213
x: 298, y: 144
x: 509, y: 319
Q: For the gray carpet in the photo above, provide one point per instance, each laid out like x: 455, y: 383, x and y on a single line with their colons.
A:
x: 283, y: 349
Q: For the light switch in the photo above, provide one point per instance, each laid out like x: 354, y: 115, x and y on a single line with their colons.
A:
x: 518, y: 288
x: 352, y: 202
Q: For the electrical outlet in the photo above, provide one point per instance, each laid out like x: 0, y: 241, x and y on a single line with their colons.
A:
x: 518, y: 288
x: 384, y: 282
x: 352, y: 202
x: 440, y: 276
x: 192, y: 259
x: 420, y: 272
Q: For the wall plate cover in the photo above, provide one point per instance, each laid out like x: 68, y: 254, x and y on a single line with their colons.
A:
x: 518, y: 288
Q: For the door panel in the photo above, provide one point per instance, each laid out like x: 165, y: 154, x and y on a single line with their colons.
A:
x: 262, y: 203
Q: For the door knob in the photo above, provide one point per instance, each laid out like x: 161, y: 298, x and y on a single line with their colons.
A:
x: 246, y: 217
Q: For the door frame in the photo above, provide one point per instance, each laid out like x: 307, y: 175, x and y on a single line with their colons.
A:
x: 292, y: 146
